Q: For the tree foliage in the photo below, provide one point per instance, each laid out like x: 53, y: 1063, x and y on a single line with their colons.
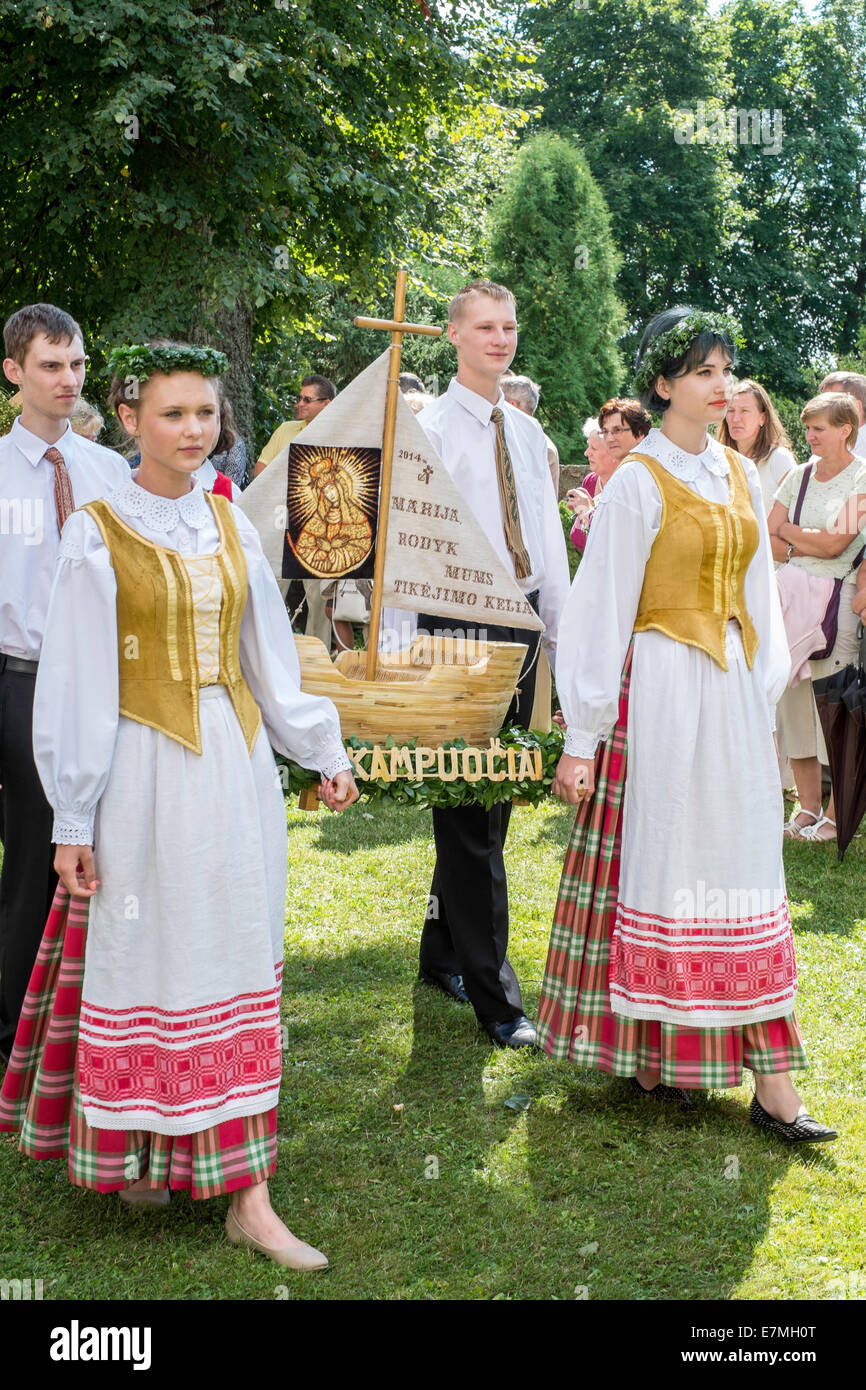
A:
x: 617, y: 72
x: 775, y: 235
x: 797, y: 222
x: 189, y: 166
x: 551, y: 244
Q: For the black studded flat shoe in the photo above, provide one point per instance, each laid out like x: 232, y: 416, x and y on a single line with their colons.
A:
x: 674, y: 1095
x: 803, y: 1130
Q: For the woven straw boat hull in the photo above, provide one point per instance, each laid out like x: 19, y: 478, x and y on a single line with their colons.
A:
x: 440, y: 689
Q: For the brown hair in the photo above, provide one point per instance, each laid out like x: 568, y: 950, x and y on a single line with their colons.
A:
x: 638, y: 419
x: 228, y: 435
x: 488, y: 287
x: 22, y: 327
x: 840, y: 409
x: 771, y: 435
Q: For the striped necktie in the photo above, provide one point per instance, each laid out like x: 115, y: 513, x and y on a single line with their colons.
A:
x: 64, y: 502
x: 508, y: 499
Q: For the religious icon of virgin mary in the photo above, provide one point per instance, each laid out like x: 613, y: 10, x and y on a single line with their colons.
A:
x: 337, y: 537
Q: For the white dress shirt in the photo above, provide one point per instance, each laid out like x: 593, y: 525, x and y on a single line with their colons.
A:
x: 74, y: 737
x: 458, y: 424
x: 598, y: 622
x: 29, y: 539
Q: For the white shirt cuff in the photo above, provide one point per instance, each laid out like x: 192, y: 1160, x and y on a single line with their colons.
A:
x: 338, y: 763
x: 72, y: 829
x: 580, y: 745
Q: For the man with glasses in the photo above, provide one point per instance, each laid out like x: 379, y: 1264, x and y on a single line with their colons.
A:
x: 316, y: 392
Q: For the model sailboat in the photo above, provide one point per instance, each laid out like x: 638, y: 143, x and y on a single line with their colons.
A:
x: 431, y: 556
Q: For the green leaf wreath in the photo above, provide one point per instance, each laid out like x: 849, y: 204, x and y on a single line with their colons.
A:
x: 141, y: 361
x: 678, y: 339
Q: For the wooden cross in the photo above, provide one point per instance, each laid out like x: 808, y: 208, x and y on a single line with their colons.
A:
x: 396, y: 327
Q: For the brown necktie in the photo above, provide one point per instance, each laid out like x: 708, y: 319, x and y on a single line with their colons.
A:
x: 508, y: 499
x: 64, y: 502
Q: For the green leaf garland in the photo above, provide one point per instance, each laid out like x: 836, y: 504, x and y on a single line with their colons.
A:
x: 433, y: 791
x: 677, y: 339
x: 140, y: 361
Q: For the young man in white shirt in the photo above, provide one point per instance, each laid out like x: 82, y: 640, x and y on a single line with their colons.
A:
x: 46, y: 469
x: 465, y: 936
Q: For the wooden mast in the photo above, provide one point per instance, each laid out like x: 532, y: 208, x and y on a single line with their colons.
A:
x: 397, y: 328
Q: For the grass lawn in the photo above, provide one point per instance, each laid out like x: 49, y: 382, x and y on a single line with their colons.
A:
x: 401, y: 1159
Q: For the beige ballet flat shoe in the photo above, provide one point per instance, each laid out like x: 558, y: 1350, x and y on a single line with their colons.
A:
x: 300, y: 1256
x: 145, y: 1196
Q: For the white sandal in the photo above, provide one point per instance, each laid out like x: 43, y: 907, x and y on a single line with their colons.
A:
x: 811, y: 831
x: 793, y: 831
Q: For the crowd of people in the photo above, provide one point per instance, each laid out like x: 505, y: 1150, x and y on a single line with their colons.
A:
x: 148, y: 669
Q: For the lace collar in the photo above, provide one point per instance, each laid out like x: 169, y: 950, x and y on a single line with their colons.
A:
x: 686, y: 467
x: 162, y: 514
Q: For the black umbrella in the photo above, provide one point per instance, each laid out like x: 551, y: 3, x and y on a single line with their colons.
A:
x: 841, y: 701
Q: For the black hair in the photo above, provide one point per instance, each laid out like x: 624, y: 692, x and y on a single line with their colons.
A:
x: 679, y: 363
x: 323, y: 384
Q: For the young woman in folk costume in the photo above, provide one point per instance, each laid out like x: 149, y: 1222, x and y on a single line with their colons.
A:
x: 149, y: 1050
x: 671, y: 958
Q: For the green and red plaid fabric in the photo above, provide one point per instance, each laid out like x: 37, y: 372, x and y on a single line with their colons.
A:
x: 575, y: 1020
x: 228, y: 1156
x: 36, y: 1095
x: 39, y: 1095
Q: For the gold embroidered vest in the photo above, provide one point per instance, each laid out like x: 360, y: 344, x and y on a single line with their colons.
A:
x: 156, y: 650
x: 694, y: 581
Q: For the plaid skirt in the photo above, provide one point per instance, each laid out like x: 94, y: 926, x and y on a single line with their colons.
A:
x: 575, y: 1019
x: 39, y: 1096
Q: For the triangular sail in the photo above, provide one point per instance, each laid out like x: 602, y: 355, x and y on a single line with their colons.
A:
x: 438, y: 559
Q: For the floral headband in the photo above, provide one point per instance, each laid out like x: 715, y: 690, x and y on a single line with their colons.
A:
x: 678, y: 339
x: 140, y: 361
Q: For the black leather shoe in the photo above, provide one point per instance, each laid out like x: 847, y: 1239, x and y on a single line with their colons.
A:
x: 672, y: 1094
x: 515, y: 1032
x: 803, y: 1130
x: 452, y: 985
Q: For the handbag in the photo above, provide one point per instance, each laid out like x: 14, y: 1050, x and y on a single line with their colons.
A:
x: 350, y: 605
x: 830, y: 620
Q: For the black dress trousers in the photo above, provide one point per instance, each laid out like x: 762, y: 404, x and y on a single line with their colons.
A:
x: 27, y: 880
x: 466, y: 928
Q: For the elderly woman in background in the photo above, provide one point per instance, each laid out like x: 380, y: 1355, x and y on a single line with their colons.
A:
x: 417, y: 400
x: 579, y: 499
x: 86, y: 420
x: 828, y: 543
x: 752, y: 427
x: 622, y: 424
